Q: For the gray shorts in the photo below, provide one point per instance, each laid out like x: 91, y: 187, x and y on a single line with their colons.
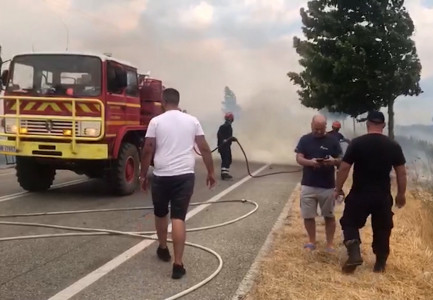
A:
x: 313, y: 196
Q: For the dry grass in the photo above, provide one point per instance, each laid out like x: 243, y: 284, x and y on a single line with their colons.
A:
x: 289, y: 272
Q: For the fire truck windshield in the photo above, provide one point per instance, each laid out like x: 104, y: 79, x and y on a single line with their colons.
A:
x: 57, y: 75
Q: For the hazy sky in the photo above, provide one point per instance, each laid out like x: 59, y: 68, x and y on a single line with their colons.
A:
x: 196, y: 46
x: 200, y: 47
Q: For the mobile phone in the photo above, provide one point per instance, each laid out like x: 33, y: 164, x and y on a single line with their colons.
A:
x: 320, y: 159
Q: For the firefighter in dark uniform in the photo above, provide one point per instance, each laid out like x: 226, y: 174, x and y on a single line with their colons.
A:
x: 335, y: 132
x: 225, y: 138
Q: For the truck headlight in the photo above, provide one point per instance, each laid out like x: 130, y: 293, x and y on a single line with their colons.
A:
x: 90, y: 128
x: 11, y: 125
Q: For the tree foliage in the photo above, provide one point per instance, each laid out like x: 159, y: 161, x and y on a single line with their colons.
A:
x: 357, y: 56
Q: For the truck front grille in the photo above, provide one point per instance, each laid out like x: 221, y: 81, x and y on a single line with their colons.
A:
x: 44, y: 127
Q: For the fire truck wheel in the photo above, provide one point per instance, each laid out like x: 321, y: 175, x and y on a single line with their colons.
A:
x: 32, y: 176
x: 126, y: 170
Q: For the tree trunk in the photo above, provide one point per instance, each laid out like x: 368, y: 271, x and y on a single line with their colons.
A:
x: 391, y: 119
x: 354, y: 127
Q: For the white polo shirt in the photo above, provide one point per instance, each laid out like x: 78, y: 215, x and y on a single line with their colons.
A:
x: 175, y: 133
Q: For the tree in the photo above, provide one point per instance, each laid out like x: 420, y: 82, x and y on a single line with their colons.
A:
x: 358, y: 55
x: 229, y: 103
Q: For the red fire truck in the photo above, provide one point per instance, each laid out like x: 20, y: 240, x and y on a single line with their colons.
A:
x: 76, y: 111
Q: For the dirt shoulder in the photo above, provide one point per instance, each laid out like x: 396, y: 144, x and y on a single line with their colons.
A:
x: 289, y: 272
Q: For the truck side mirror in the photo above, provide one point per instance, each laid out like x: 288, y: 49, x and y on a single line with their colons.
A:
x: 4, y: 77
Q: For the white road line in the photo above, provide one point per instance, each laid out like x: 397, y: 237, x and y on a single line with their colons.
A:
x: 54, y: 187
x: 97, y: 274
x: 249, y: 279
x: 5, y: 174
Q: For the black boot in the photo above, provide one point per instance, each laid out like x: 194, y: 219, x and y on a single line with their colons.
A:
x: 355, y: 258
x: 380, y: 264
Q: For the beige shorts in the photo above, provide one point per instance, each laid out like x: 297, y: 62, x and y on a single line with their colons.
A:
x: 311, y: 197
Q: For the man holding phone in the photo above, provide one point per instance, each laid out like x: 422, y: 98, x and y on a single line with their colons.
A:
x: 319, y: 154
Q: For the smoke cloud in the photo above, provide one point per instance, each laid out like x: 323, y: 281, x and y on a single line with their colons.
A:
x: 198, y: 47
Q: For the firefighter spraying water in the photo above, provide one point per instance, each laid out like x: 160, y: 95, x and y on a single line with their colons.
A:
x: 225, y: 138
x: 335, y: 132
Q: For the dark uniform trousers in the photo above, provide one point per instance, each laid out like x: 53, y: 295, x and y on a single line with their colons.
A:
x: 226, y: 158
x: 358, y: 206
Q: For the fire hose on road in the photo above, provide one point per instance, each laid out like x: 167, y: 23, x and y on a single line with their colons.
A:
x: 247, y: 163
x: 151, y: 235
x: 143, y: 235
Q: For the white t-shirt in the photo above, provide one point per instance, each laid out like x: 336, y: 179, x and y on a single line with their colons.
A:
x: 175, y: 133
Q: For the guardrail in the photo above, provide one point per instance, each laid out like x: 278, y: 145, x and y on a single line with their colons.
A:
x: 50, y: 126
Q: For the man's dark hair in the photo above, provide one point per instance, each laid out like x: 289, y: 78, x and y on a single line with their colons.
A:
x: 376, y: 117
x: 171, y: 96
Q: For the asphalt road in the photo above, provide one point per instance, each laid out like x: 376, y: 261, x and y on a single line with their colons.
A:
x: 97, y: 267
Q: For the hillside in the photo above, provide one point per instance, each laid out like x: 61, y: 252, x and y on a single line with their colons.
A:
x: 417, y: 131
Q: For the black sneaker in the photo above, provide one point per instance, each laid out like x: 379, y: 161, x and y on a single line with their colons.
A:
x: 163, y: 254
x: 226, y: 176
x: 178, y: 271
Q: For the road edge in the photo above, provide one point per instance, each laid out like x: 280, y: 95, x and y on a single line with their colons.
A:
x: 5, y: 167
x: 249, y: 279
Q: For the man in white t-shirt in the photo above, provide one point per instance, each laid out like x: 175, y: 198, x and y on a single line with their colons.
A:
x: 170, y: 139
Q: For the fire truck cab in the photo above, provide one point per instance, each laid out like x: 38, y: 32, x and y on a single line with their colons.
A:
x: 76, y: 111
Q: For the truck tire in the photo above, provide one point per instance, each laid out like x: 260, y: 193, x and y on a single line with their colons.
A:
x: 125, y: 170
x: 32, y: 176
